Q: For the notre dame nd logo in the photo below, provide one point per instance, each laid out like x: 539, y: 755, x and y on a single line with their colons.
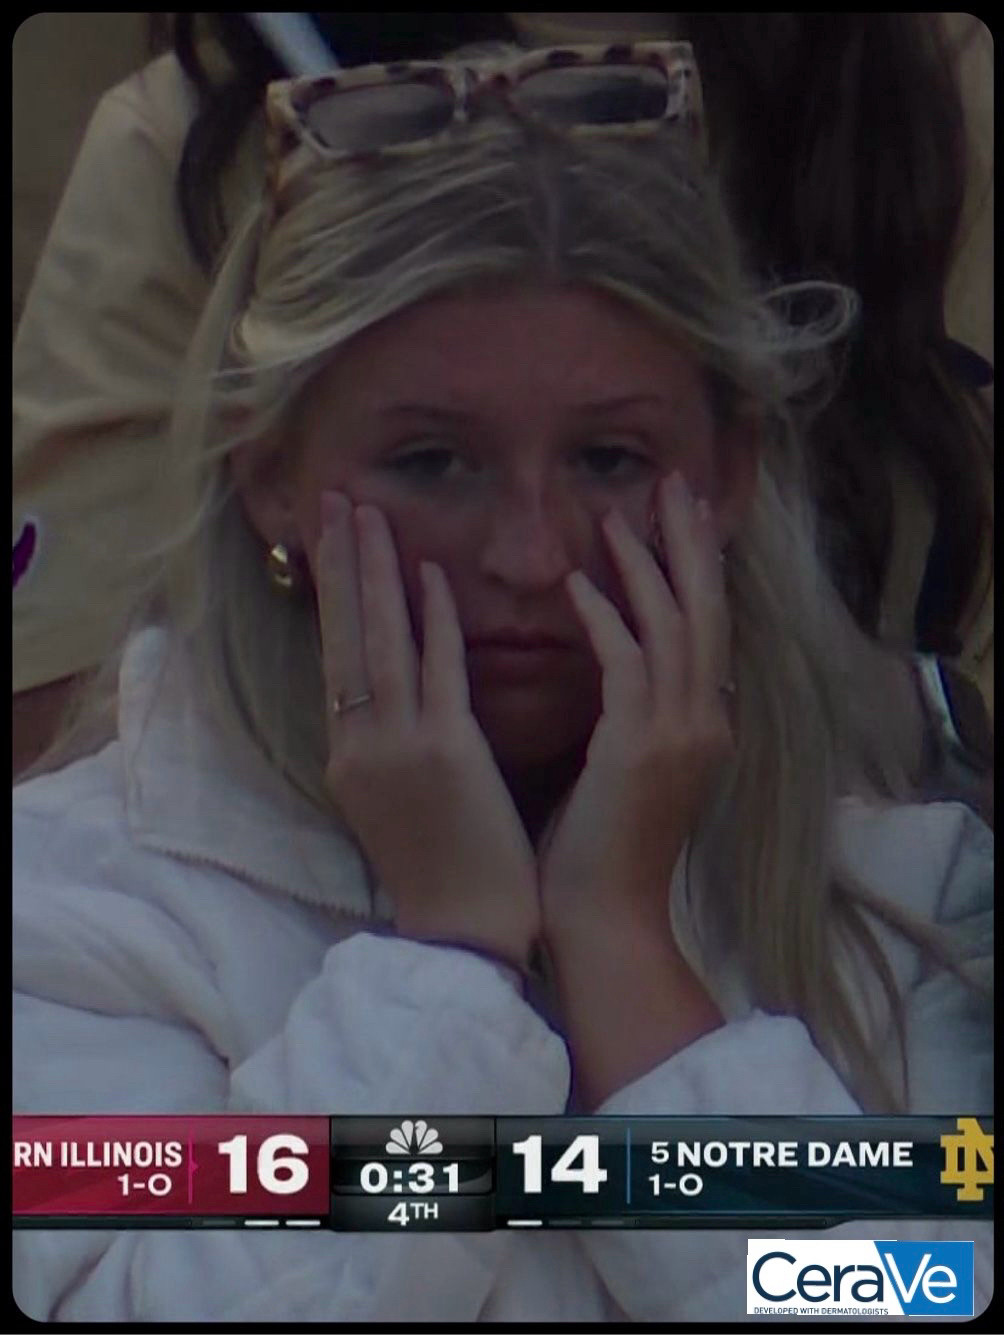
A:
x: 969, y: 1160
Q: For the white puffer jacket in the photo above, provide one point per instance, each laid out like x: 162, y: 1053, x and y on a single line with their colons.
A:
x: 189, y: 939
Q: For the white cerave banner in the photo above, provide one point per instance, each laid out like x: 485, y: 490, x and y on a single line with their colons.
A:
x: 822, y: 1277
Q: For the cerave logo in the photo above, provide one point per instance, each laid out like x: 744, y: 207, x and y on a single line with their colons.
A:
x: 818, y: 1277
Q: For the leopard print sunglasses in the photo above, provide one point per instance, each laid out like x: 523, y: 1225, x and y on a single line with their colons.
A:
x: 376, y: 111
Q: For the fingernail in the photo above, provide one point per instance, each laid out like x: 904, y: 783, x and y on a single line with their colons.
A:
x: 334, y: 507
x: 678, y: 488
x: 367, y: 517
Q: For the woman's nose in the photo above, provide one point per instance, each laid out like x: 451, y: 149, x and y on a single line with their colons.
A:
x: 531, y: 544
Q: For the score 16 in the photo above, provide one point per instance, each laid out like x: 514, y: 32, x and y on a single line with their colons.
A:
x: 263, y: 1165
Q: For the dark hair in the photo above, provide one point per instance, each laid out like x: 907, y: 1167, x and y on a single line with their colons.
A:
x: 842, y: 143
x: 226, y: 108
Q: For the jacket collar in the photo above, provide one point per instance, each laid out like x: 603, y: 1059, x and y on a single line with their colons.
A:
x: 198, y: 795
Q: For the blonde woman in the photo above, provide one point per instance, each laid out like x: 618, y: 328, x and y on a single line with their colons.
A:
x: 485, y: 753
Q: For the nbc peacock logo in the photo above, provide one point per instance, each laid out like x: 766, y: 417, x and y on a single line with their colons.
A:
x: 414, y: 1139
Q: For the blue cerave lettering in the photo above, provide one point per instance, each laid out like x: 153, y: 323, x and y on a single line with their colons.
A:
x: 772, y: 1256
x: 817, y: 1283
x: 930, y: 1278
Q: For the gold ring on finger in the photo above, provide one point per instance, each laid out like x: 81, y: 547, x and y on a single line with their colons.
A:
x: 340, y: 706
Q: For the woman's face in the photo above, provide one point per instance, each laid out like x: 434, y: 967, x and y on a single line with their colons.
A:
x: 494, y: 431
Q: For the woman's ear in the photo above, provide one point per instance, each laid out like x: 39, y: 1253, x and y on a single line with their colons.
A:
x: 739, y: 449
x: 265, y: 493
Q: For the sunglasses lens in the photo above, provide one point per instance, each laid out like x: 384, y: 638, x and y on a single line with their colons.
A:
x: 595, y: 94
x: 357, y: 120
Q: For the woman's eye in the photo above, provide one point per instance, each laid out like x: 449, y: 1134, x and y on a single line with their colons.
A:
x: 428, y: 465
x: 615, y: 462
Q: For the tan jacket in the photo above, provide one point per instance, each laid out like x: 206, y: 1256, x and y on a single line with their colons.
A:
x: 115, y: 300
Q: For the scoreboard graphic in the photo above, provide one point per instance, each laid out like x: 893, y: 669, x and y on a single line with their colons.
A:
x: 471, y: 1174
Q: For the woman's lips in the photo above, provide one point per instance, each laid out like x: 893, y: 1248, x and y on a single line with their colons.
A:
x: 513, y: 661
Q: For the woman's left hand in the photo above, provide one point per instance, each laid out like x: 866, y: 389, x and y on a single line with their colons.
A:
x: 608, y: 858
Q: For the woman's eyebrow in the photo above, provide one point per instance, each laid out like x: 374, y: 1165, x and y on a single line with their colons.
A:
x: 592, y: 406
x: 621, y: 401
x: 426, y: 410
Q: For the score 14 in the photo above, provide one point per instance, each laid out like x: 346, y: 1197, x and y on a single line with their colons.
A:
x: 580, y: 1163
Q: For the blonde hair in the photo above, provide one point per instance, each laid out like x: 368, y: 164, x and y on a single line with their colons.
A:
x: 643, y: 222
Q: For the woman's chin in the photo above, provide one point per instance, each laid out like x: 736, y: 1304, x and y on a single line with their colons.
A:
x: 527, y: 734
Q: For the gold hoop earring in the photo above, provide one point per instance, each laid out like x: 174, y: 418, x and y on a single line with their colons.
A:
x: 281, y: 569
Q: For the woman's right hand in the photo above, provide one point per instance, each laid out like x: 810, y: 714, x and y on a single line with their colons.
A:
x: 410, y: 771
